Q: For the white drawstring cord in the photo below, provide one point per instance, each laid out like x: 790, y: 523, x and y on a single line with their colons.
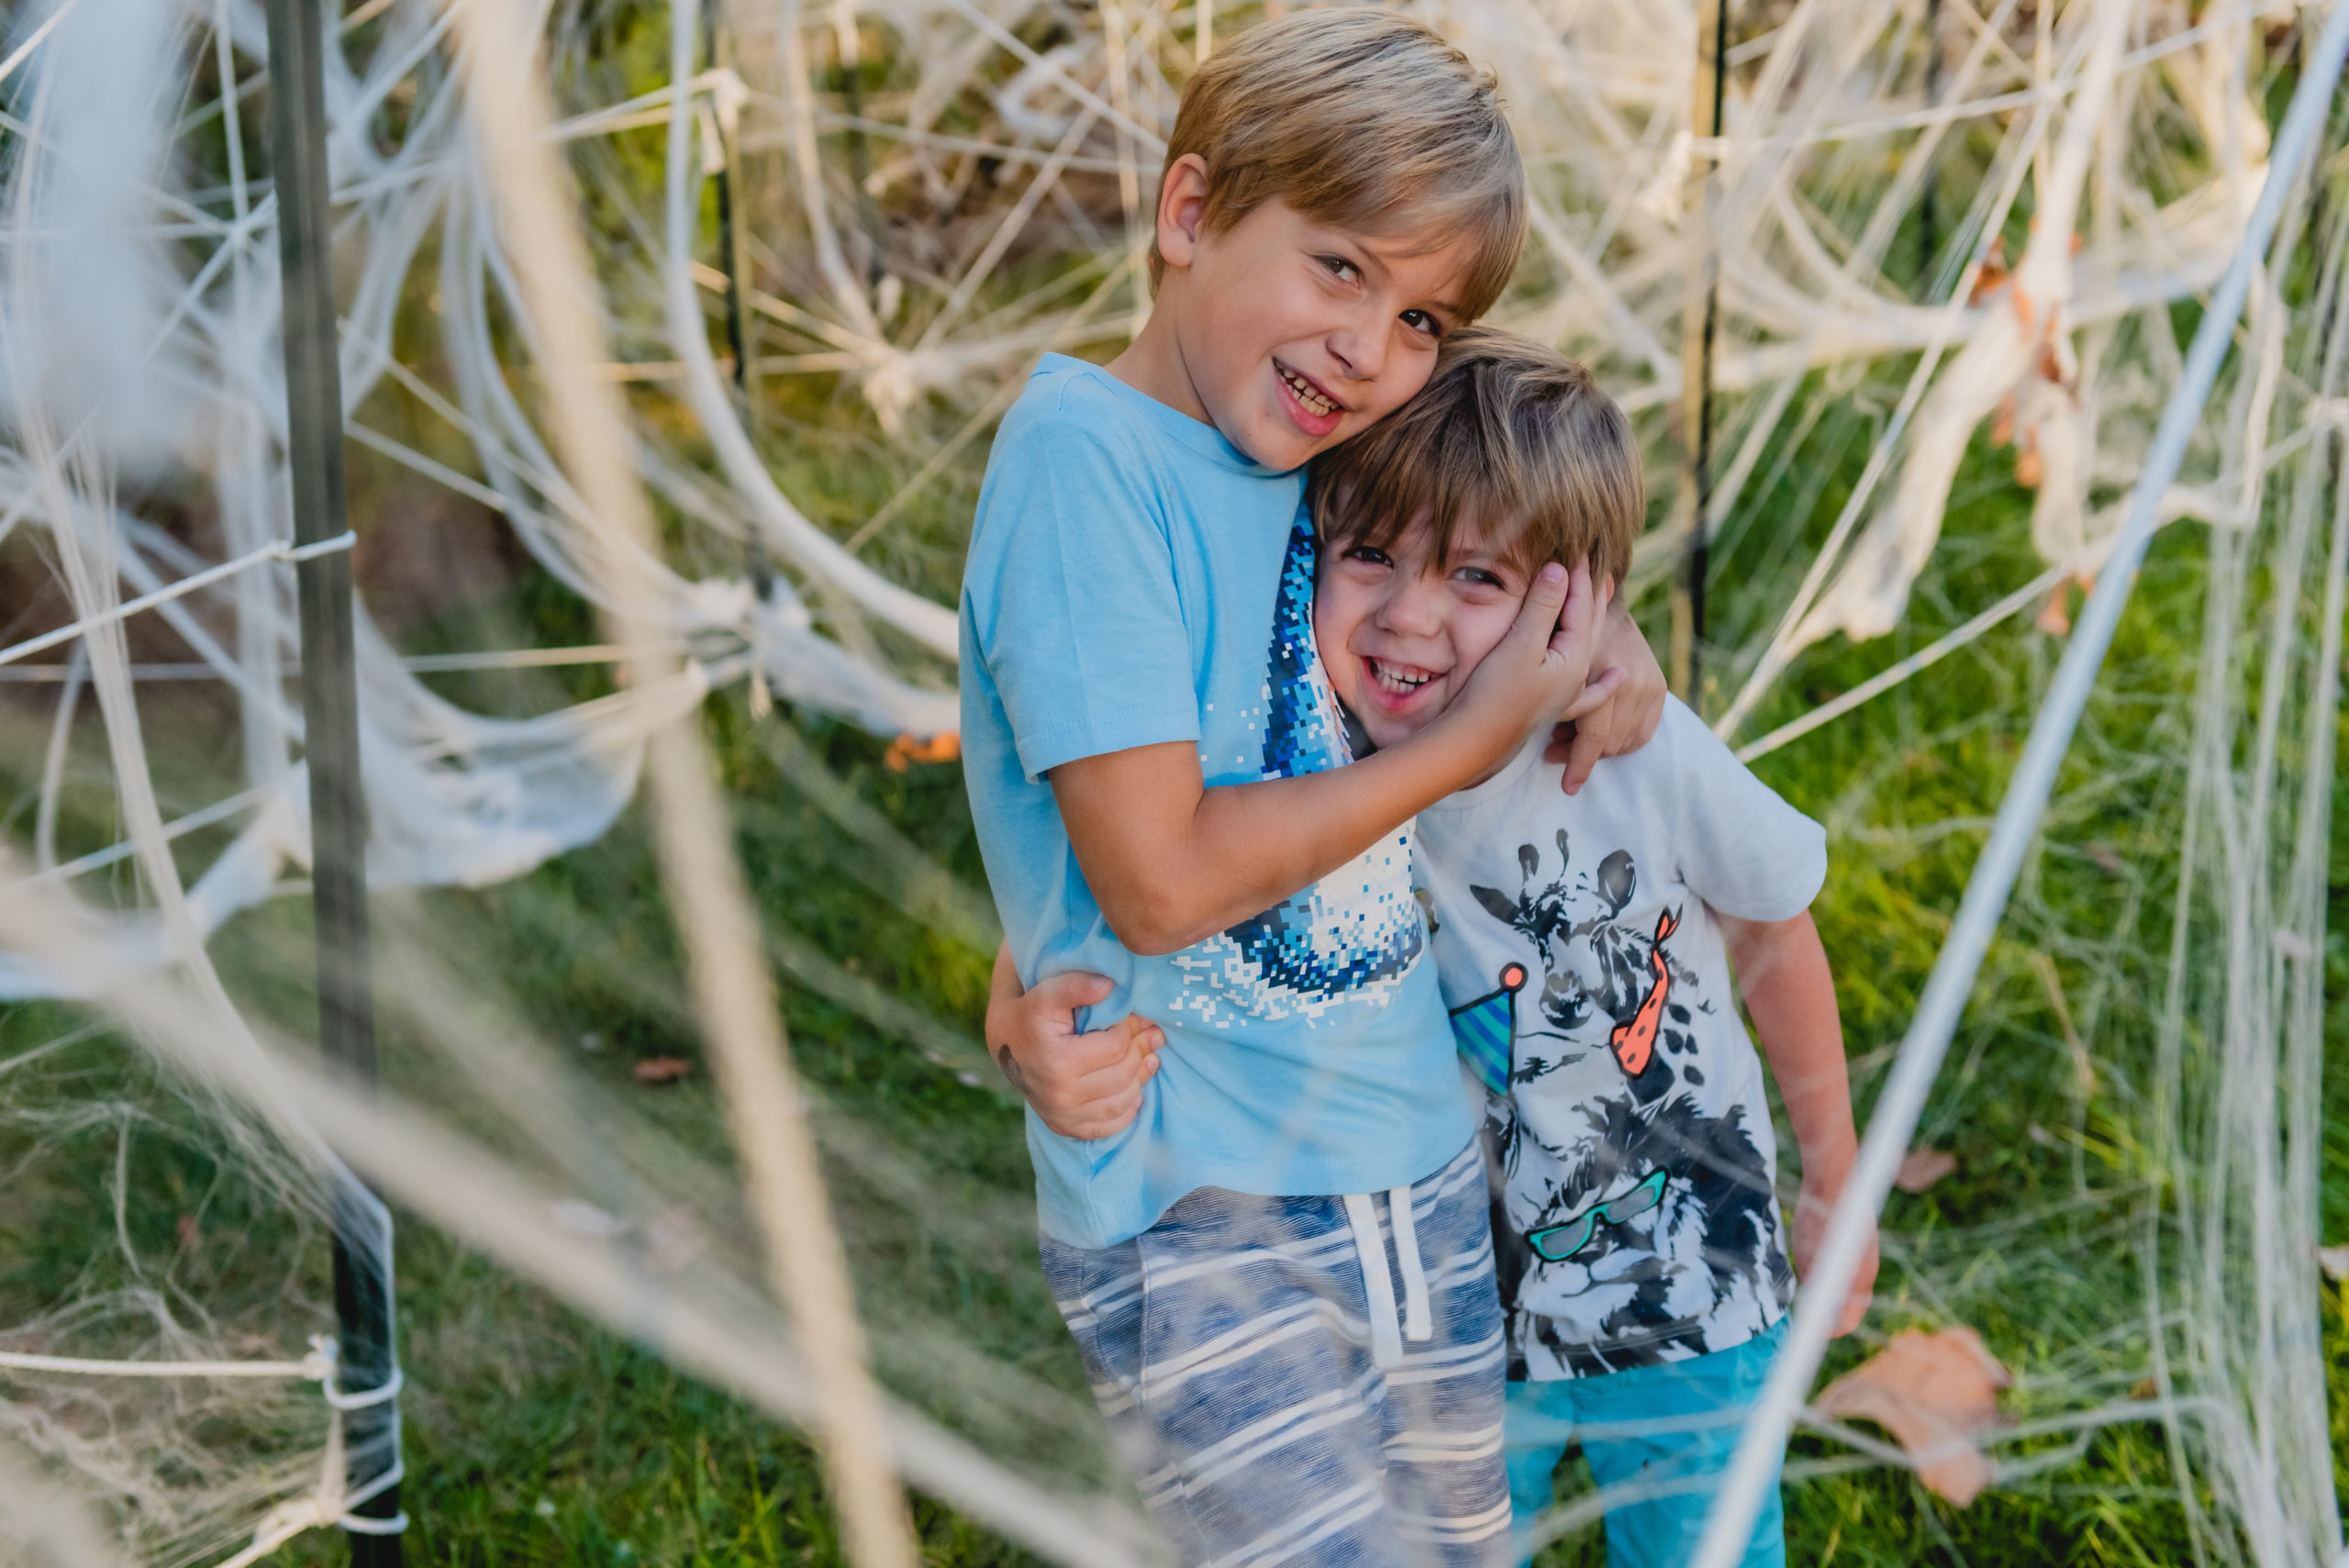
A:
x: 1387, y: 1336
x: 1419, y: 1321
x: 1379, y: 1286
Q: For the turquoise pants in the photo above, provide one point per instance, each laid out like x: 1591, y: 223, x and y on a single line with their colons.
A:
x: 1672, y: 1427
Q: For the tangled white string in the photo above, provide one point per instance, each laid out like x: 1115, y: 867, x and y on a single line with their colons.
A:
x: 911, y: 248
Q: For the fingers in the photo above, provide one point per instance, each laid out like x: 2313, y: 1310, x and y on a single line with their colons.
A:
x: 1067, y: 993
x: 1102, y: 1119
x: 1129, y: 1038
x: 1578, y: 614
x: 1537, y: 618
x: 1588, y: 746
x: 1105, y: 1102
x: 1598, y: 692
x: 1108, y: 1080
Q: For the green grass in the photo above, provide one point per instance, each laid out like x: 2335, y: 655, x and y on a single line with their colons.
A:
x: 535, y: 1436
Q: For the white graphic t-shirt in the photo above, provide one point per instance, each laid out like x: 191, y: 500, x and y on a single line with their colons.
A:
x: 1635, y: 1214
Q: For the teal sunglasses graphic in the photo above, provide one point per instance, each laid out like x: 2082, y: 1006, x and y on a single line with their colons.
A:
x: 1483, y: 1028
x: 1556, y: 1243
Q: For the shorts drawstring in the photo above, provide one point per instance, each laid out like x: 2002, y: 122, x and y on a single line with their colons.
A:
x: 1419, y: 1320
x: 1387, y: 1335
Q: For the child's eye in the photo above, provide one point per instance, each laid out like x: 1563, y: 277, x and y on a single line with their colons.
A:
x: 1368, y: 556
x: 1345, y: 272
x: 1420, y: 321
x: 1479, y: 577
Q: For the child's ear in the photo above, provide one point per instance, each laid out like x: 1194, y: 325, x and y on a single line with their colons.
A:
x: 1182, y: 207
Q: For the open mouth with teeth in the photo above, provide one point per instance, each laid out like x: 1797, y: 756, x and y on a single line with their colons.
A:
x: 1398, y: 684
x: 1313, y: 409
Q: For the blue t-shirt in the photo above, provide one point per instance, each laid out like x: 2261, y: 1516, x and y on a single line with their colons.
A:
x: 1135, y: 579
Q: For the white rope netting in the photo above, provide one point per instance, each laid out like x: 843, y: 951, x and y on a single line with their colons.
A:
x: 1937, y: 228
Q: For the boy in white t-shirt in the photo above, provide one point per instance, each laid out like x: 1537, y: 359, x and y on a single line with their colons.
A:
x: 1584, y: 944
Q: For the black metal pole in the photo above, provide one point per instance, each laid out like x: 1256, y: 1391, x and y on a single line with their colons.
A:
x: 1699, y: 537
x: 733, y: 245
x: 1928, y: 228
x: 362, y: 1285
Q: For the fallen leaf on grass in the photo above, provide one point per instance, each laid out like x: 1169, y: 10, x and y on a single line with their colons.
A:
x: 1934, y: 1393
x: 1921, y: 1168
x: 905, y: 750
x: 663, y: 1069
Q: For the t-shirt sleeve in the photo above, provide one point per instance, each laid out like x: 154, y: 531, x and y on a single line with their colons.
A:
x: 1743, y: 850
x: 1072, y: 598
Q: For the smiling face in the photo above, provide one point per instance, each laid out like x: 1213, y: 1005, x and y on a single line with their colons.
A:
x: 1400, y: 631
x: 1288, y: 335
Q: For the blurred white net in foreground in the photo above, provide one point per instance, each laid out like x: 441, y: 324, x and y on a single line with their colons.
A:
x: 924, y: 197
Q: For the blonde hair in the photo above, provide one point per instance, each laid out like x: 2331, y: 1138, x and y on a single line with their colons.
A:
x: 1364, y: 119
x: 1506, y: 435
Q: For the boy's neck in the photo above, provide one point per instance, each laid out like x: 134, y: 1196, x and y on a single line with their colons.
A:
x: 1153, y: 364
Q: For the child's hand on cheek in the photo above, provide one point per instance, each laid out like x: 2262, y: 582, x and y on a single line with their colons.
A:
x: 1618, y: 711
x: 1536, y: 672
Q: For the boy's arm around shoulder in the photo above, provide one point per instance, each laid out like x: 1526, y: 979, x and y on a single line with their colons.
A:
x: 1627, y: 720
x: 1170, y: 862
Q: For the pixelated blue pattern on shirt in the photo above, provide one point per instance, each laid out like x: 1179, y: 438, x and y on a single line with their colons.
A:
x: 1302, y: 734
x: 1356, y: 928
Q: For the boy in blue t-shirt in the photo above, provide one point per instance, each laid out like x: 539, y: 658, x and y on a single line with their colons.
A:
x: 1584, y: 947
x: 1153, y: 763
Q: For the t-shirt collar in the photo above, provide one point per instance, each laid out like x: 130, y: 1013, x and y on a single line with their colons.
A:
x: 1178, y: 426
x: 1501, y: 784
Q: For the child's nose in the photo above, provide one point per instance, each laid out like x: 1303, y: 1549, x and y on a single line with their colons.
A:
x: 1412, y: 607
x: 1360, y: 347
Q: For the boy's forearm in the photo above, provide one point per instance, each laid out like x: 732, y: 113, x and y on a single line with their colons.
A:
x: 1789, y: 993
x: 1230, y: 852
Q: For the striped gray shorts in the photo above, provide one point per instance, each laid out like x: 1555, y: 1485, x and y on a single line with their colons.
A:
x: 1275, y: 1404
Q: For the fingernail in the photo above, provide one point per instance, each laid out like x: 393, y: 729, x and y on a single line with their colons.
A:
x: 1553, y: 572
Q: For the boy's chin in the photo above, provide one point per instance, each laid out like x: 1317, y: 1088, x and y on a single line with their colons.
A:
x: 1384, y: 729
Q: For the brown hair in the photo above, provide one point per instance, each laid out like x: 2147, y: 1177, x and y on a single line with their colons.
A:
x: 1506, y: 434
x: 1364, y: 119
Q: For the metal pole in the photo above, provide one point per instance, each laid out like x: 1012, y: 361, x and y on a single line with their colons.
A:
x: 1929, y: 227
x: 363, y: 1283
x: 1700, y: 316
x: 733, y: 245
x: 1764, y: 1441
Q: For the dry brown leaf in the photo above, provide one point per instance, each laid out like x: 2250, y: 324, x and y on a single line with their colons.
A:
x: 905, y: 750
x: 1921, y: 1168
x: 1934, y: 1393
x: 663, y: 1069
